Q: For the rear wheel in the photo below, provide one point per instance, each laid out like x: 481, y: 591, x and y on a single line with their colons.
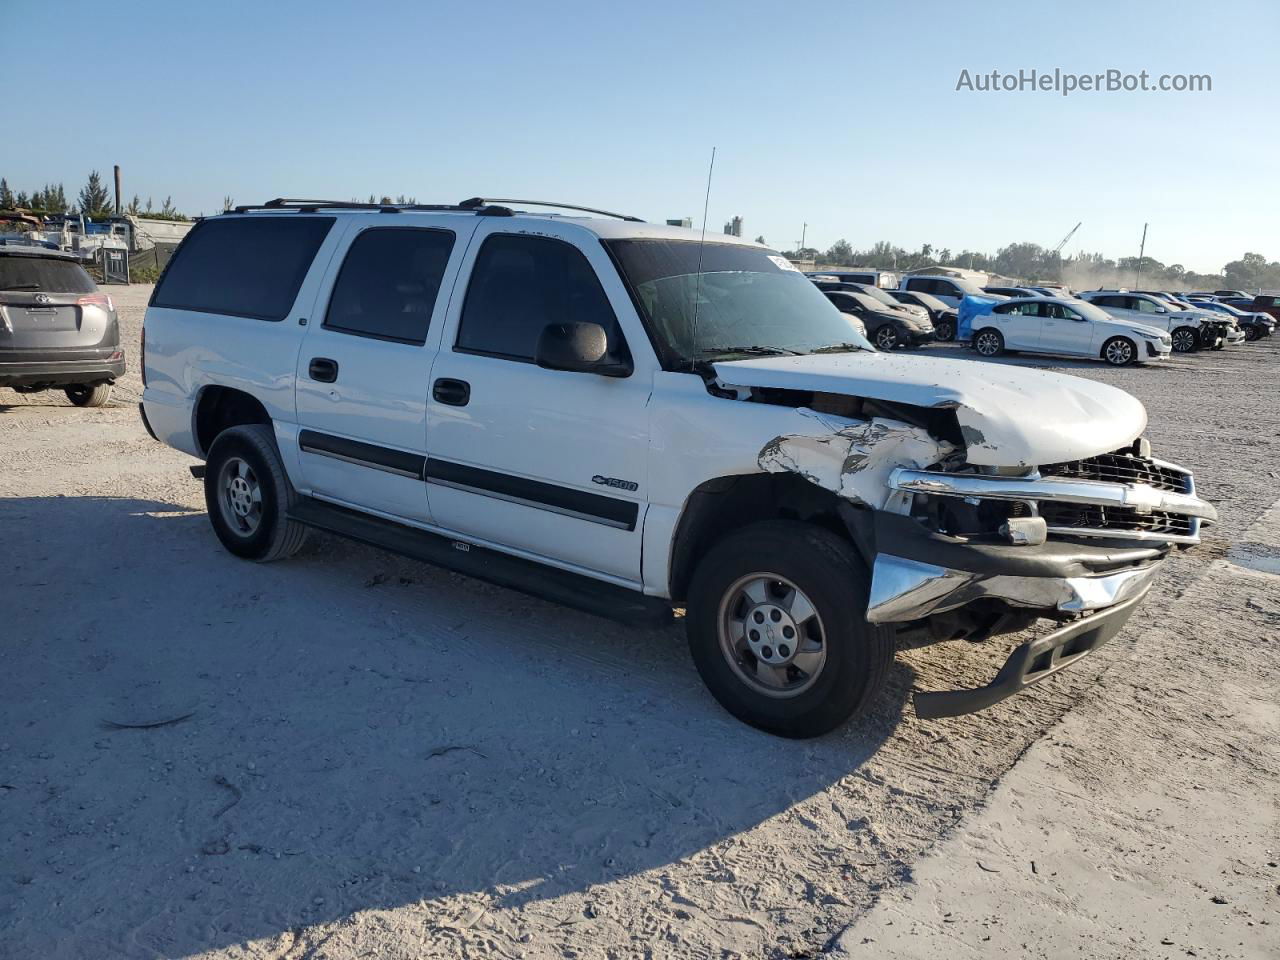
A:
x: 777, y: 628
x: 988, y: 343
x: 88, y: 395
x: 886, y: 338
x: 1119, y: 352
x: 248, y: 495
x: 1185, y: 340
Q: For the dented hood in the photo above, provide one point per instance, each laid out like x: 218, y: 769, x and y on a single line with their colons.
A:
x: 1009, y: 416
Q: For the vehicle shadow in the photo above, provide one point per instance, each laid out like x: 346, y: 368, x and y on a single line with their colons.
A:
x: 202, y: 751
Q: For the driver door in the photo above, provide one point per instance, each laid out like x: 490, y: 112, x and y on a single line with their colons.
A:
x: 1063, y: 330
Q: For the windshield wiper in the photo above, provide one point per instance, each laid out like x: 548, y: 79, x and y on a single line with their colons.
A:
x: 21, y: 286
x: 839, y: 348
x: 753, y: 351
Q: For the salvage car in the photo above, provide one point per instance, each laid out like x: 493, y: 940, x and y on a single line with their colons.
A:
x: 1189, y: 329
x: 941, y: 316
x: 1254, y: 325
x: 1070, y: 328
x: 887, y: 329
x: 630, y: 418
x: 57, y: 330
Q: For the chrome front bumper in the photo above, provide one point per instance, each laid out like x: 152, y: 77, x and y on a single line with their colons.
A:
x: 903, y: 590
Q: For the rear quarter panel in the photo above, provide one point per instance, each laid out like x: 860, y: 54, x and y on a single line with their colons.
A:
x: 188, y: 351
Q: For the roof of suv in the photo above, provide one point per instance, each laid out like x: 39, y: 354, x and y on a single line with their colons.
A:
x: 606, y: 226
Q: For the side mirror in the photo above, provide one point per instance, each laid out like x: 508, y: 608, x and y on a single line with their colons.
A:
x: 1161, y: 310
x: 578, y: 348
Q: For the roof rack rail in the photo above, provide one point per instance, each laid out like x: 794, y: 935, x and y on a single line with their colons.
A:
x: 476, y: 202
x: 312, y: 206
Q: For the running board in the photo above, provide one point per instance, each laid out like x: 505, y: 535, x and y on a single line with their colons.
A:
x: 536, y: 579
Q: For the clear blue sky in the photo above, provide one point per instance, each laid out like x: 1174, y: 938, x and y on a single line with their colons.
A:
x: 842, y: 115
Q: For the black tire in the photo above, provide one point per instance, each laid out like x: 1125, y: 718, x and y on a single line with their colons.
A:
x: 270, y: 535
x: 1119, y: 352
x: 885, y: 337
x: 944, y: 329
x: 988, y: 342
x: 1250, y: 333
x: 832, y: 577
x: 1185, y: 340
x: 88, y: 395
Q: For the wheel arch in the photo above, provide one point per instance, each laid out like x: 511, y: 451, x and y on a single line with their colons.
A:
x: 722, y: 505
x: 218, y: 407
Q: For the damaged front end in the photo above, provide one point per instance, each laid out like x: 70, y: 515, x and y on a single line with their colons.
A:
x: 964, y: 550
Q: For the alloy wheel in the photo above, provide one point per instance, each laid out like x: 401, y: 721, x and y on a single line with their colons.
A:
x: 240, y: 497
x: 771, y: 635
x: 1119, y: 352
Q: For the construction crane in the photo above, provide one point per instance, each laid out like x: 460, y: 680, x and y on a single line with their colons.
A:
x: 1057, y: 251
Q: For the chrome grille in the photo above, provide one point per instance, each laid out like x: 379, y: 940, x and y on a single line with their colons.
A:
x: 1123, y: 467
x: 1062, y: 517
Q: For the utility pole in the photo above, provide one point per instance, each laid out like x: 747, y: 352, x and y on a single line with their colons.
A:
x: 804, y: 230
x: 1137, y: 276
x: 117, y: 171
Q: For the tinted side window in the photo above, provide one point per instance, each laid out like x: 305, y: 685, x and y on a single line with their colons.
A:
x: 388, y: 283
x: 519, y: 285
x: 243, y: 266
x: 1108, y: 301
x: 921, y: 286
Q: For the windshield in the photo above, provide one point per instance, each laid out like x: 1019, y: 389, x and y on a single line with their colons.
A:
x: 926, y: 300
x: 877, y: 294
x: 1088, y: 311
x: 749, y: 302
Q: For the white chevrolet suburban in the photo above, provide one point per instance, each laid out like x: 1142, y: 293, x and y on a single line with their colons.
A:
x: 624, y: 418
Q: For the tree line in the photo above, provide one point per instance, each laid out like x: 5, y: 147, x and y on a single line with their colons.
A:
x: 1032, y: 262
x: 94, y: 201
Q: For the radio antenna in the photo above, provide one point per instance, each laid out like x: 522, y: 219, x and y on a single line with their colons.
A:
x: 697, y: 283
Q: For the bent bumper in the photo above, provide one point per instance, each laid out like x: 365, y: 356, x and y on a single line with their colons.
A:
x: 51, y: 370
x: 903, y: 590
x: 1030, y: 663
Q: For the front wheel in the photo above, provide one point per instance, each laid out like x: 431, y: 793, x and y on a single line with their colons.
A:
x: 944, y: 329
x: 989, y: 343
x: 248, y: 495
x: 1185, y: 340
x: 88, y: 395
x: 777, y: 625
x: 886, y: 338
x: 1251, y: 333
x: 1119, y: 352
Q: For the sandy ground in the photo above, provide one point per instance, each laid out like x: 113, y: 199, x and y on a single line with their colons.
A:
x: 379, y: 758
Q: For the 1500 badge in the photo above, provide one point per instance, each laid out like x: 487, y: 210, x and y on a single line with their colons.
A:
x: 615, y: 483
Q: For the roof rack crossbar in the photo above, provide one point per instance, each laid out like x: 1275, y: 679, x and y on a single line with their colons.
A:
x: 475, y: 202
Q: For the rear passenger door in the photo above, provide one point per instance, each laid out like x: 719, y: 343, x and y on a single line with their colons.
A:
x: 544, y: 462
x: 1019, y: 323
x: 363, y: 372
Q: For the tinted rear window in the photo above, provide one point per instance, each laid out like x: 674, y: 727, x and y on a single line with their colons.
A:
x: 43, y: 274
x: 389, y: 282
x: 243, y: 266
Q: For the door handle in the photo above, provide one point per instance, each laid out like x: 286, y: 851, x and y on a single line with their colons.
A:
x: 455, y: 393
x: 323, y: 369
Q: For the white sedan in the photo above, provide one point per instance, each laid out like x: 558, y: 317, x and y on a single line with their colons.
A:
x: 1068, y: 327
